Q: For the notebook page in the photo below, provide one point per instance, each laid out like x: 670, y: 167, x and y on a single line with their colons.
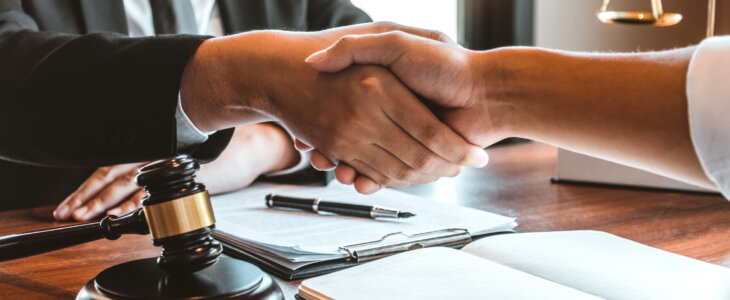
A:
x: 606, y: 265
x: 436, y: 273
x: 244, y: 215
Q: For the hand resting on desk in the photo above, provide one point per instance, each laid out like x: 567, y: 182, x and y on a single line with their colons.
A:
x: 254, y: 150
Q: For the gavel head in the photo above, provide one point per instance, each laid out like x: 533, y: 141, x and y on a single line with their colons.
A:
x: 179, y: 214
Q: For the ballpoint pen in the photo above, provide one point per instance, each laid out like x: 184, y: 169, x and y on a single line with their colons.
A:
x: 316, y: 205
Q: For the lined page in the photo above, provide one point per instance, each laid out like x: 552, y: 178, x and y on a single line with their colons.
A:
x: 606, y: 265
x: 435, y: 273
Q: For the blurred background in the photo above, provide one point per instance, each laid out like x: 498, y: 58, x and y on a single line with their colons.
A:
x: 560, y: 24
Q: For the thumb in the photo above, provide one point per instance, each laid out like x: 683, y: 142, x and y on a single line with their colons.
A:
x: 380, y: 49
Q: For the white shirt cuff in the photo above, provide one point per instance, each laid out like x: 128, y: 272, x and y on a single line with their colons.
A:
x: 187, y: 133
x: 708, y: 101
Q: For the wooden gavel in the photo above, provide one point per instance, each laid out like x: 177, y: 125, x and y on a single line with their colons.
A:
x: 178, y: 214
x: 176, y: 210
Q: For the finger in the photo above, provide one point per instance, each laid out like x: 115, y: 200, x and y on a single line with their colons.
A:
x: 114, y: 193
x: 386, y: 26
x: 390, y: 170
x: 90, y: 187
x: 424, y: 33
x: 416, y: 120
x: 301, y: 146
x: 366, y: 185
x: 128, y: 206
x: 377, y: 176
x: 413, y: 153
x: 379, y: 49
x: 320, y: 162
x: 345, y: 174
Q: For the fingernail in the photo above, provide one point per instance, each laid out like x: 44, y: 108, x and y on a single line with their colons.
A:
x: 60, y: 212
x: 316, y: 58
x: 113, y: 212
x: 479, y: 157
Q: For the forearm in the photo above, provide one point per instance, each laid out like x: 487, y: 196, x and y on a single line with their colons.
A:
x: 210, y: 97
x: 628, y: 108
x: 254, y: 150
x: 237, y: 80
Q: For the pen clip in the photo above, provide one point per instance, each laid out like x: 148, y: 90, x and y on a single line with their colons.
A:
x: 387, y: 245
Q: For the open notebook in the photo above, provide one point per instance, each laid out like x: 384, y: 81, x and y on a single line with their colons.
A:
x: 540, y: 265
x: 296, y: 244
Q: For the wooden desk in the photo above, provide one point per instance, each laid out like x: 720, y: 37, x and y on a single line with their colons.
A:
x: 516, y: 183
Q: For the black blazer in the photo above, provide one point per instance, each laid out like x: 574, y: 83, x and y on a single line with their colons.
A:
x: 75, y: 91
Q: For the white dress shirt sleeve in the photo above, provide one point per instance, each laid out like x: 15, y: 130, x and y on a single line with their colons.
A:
x: 708, y: 100
x: 187, y: 133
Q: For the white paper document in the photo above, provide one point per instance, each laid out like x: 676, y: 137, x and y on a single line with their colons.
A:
x: 540, y: 265
x: 436, y: 273
x: 605, y: 265
x: 300, y: 236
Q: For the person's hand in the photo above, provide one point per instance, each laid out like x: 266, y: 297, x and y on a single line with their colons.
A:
x: 396, y: 141
x: 253, y: 150
x: 441, y: 72
x: 362, y: 116
x: 109, y: 189
x: 437, y: 69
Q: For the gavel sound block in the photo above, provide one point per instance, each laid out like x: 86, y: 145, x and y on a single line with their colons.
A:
x: 178, y: 214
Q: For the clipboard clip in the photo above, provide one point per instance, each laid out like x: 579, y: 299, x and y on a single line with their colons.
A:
x: 397, y: 242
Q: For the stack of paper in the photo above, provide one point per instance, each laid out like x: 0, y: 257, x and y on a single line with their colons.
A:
x: 295, y: 239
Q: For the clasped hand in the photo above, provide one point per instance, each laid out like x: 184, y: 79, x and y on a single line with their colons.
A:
x: 362, y: 116
x: 430, y: 65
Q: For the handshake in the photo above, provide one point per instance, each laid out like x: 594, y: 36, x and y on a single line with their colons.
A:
x: 356, y: 102
x: 430, y: 65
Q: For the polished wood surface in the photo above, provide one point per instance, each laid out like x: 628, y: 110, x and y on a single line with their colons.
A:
x: 516, y: 183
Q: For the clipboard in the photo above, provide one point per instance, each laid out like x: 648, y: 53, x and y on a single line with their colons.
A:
x: 360, y: 253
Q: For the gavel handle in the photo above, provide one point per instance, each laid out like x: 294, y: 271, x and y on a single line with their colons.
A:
x: 36, y: 242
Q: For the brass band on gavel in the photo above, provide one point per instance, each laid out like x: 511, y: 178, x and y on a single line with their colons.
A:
x: 179, y: 216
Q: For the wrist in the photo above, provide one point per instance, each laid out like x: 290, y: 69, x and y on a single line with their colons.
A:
x: 198, y: 74
x: 279, y: 147
x: 507, y: 80
x: 219, y: 89
x: 284, y: 78
x: 492, y: 95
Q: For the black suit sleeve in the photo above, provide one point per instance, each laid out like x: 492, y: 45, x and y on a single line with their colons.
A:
x: 91, y: 99
x: 324, y: 14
